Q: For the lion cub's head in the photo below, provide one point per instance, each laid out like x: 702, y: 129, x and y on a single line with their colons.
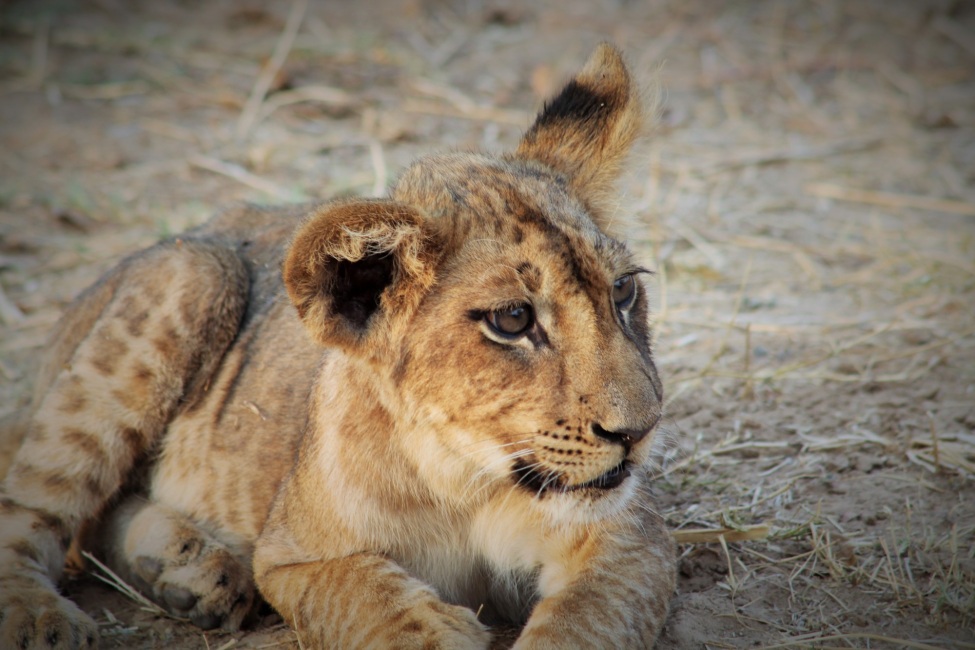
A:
x: 507, y: 330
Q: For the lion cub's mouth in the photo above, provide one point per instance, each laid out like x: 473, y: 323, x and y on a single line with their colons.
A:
x: 540, y: 482
x: 607, y: 480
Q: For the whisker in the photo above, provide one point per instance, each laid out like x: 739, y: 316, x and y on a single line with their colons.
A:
x: 550, y: 478
x: 501, y: 462
x: 488, y: 447
x: 494, y: 445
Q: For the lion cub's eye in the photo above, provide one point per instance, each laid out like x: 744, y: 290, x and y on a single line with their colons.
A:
x: 510, y: 321
x: 624, y: 290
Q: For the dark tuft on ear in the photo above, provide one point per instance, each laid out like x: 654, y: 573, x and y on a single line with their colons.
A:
x: 579, y: 106
x: 586, y: 131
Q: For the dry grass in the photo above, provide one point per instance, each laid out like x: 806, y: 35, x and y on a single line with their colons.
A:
x: 109, y: 577
x: 807, y: 202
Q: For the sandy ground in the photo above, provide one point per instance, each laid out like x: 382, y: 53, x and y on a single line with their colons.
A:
x: 807, y: 201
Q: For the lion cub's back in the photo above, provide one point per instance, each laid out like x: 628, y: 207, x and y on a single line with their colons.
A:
x: 224, y: 454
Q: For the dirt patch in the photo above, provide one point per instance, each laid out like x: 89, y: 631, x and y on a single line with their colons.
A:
x: 808, y: 203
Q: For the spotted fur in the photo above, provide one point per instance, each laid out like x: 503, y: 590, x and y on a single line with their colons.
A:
x: 318, y: 401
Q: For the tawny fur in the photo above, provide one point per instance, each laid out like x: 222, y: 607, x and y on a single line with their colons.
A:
x: 313, y: 400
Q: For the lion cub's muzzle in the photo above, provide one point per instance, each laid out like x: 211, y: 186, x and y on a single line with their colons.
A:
x: 537, y: 474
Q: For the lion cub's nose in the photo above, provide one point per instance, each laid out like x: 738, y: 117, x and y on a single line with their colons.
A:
x: 625, y: 437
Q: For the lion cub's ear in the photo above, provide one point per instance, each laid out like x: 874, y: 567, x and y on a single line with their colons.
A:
x: 587, y: 130
x: 355, y: 267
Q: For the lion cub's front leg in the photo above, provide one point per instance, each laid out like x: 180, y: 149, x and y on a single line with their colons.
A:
x: 612, y: 592
x: 366, y: 601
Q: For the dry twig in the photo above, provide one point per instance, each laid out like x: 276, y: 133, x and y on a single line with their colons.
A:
x: 715, y: 535
x: 890, y: 200
x: 252, y: 108
x: 112, y: 579
x: 244, y: 177
x: 819, y: 637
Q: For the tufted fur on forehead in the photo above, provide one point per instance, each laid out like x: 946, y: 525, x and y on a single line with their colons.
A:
x: 586, y: 131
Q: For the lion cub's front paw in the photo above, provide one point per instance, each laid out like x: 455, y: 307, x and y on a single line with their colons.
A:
x: 202, y: 581
x: 435, y: 624
x: 33, y: 616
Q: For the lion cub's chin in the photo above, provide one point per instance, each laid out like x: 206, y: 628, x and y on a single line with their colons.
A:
x: 586, y: 506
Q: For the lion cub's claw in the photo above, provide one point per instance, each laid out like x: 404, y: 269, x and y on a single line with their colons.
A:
x: 32, y: 616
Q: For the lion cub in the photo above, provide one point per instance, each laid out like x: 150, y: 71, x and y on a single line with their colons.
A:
x: 383, y: 415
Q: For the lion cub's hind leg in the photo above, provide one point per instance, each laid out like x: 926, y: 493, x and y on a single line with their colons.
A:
x: 178, y: 564
x: 125, y: 357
